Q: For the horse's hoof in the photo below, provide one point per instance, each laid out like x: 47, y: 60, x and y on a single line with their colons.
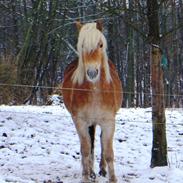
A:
x: 93, y: 175
x: 85, y: 181
x: 102, y: 172
x: 113, y: 179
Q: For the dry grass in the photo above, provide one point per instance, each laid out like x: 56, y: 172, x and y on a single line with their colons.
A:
x: 8, y: 72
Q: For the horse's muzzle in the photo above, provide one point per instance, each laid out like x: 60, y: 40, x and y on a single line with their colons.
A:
x: 92, y: 73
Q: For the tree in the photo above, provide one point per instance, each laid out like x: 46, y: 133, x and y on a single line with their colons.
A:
x: 159, y: 146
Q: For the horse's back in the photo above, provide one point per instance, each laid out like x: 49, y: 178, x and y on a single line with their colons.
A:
x: 70, y: 69
x: 67, y: 88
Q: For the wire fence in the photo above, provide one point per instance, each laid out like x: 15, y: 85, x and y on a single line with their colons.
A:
x: 98, y: 90
x: 88, y: 90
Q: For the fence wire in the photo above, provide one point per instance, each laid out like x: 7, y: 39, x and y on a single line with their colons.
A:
x: 120, y: 121
x: 88, y: 90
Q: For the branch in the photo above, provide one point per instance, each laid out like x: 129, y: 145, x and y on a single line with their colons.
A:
x: 166, y: 34
x: 70, y: 46
x: 131, y: 24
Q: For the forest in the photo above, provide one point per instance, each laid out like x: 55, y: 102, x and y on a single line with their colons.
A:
x: 38, y: 40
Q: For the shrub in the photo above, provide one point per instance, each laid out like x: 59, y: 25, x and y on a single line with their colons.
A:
x: 7, y: 80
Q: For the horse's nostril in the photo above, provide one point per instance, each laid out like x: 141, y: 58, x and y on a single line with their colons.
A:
x: 92, y: 73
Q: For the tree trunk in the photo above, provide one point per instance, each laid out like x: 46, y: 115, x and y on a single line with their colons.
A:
x: 159, y: 146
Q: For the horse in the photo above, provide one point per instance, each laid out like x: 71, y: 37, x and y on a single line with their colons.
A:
x: 92, y: 93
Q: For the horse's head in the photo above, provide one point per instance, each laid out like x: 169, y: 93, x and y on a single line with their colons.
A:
x: 91, y: 48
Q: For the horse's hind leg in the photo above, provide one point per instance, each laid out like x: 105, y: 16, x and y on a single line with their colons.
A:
x: 107, y: 141
x: 92, y: 140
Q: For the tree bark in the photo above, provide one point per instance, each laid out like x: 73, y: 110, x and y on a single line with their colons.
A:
x: 159, y: 146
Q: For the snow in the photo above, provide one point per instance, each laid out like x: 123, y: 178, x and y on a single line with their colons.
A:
x: 40, y: 143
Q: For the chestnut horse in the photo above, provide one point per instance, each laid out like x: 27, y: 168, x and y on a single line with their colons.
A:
x: 92, y: 93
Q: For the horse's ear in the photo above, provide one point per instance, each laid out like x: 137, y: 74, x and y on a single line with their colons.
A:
x: 99, y: 25
x: 78, y: 25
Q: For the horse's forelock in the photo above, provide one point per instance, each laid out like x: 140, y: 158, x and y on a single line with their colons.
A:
x: 88, y: 40
x: 89, y: 37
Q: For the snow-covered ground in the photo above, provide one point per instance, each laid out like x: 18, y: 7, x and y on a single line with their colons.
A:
x: 38, y: 144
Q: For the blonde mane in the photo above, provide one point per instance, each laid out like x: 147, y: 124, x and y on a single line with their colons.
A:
x: 89, y: 37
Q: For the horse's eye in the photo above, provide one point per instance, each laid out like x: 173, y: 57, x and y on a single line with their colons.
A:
x: 101, y: 45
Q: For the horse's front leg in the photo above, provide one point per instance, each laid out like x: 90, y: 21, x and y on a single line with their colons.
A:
x: 108, y: 129
x: 102, y: 171
x: 85, y: 146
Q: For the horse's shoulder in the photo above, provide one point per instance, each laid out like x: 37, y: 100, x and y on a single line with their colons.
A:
x: 71, y: 67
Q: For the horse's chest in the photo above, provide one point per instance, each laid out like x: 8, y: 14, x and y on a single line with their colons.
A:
x: 91, y: 100
x: 95, y: 110
x: 92, y: 104
x: 91, y: 97
x: 96, y: 99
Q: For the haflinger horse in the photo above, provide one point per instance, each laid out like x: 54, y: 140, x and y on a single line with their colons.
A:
x: 92, y: 93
